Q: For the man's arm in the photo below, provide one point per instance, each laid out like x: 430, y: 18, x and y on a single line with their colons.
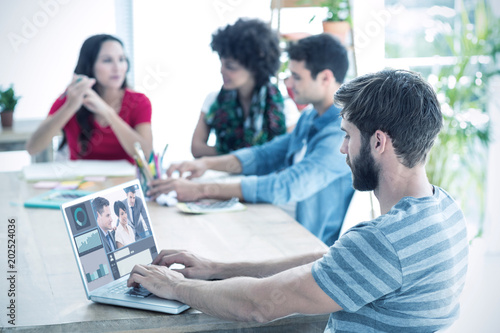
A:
x: 197, y: 168
x: 197, y: 267
x: 240, y: 298
x: 191, y: 191
x: 258, y: 160
x: 319, y: 168
x: 262, y: 159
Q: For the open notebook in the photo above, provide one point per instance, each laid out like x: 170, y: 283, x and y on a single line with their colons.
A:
x: 103, y: 267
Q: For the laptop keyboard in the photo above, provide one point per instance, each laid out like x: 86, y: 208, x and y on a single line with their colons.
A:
x: 140, y: 291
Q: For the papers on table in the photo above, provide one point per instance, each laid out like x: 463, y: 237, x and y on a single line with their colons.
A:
x: 77, y: 169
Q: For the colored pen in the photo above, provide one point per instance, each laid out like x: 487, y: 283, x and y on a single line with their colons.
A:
x: 158, y: 167
x: 144, y: 165
x: 162, y: 156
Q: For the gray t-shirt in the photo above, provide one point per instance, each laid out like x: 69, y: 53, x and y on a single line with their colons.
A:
x: 402, y: 272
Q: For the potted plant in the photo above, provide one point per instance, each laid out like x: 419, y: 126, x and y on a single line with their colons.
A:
x: 8, y: 101
x: 338, y: 17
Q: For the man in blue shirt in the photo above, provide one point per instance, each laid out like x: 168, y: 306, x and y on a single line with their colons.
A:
x: 401, y: 272
x: 303, y: 167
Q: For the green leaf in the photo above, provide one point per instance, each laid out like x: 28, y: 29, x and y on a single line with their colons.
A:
x: 8, y: 99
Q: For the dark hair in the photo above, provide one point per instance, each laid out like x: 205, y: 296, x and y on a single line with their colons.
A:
x: 119, y: 205
x: 398, y: 102
x: 253, y: 44
x: 129, y: 189
x: 85, y: 66
x: 321, y: 52
x: 98, y: 204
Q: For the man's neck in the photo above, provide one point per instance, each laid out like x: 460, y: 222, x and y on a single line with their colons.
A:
x: 402, y: 182
x: 104, y: 231
x: 324, y: 104
x: 322, y: 107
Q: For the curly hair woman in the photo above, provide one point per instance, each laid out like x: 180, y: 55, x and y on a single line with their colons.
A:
x: 99, y: 116
x: 248, y: 110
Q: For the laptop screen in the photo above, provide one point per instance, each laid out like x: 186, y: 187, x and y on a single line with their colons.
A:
x: 111, y: 231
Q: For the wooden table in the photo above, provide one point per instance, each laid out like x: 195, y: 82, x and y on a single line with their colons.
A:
x: 49, y: 292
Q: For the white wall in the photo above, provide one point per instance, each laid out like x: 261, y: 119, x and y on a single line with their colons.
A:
x: 40, y: 41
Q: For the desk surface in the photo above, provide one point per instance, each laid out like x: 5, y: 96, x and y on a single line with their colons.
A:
x: 49, y: 293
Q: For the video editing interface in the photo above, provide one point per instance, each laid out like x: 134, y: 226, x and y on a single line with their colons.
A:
x: 102, y: 264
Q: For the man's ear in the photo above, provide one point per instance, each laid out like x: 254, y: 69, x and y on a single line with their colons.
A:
x: 379, y: 141
x: 327, y: 76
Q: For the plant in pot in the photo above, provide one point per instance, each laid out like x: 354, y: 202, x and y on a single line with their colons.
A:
x: 338, y: 18
x: 8, y: 101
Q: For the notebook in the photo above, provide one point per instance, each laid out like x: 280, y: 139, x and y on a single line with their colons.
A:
x: 54, y: 198
x: 104, y: 270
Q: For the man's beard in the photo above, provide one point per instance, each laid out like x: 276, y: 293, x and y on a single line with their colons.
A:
x: 364, y: 171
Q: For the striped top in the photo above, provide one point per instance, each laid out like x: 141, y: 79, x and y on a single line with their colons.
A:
x: 403, y: 271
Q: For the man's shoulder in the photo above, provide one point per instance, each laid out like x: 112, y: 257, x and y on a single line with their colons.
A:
x: 308, y: 112
x: 424, y: 217
x: 305, y: 122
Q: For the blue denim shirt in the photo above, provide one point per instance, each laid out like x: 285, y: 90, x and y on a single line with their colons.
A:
x: 320, y: 183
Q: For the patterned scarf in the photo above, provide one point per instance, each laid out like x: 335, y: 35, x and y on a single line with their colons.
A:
x: 265, y: 119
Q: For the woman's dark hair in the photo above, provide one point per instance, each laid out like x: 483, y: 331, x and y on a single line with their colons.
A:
x: 398, y: 102
x: 321, y: 52
x: 119, y: 205
x: 85, y: 66
x: 253, y: 44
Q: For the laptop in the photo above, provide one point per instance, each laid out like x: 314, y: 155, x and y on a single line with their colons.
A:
x: 105, y: 268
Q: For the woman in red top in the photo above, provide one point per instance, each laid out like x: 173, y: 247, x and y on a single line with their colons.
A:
x: 99, y: 116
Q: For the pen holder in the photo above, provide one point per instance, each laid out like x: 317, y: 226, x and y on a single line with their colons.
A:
x: 147, y: 172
